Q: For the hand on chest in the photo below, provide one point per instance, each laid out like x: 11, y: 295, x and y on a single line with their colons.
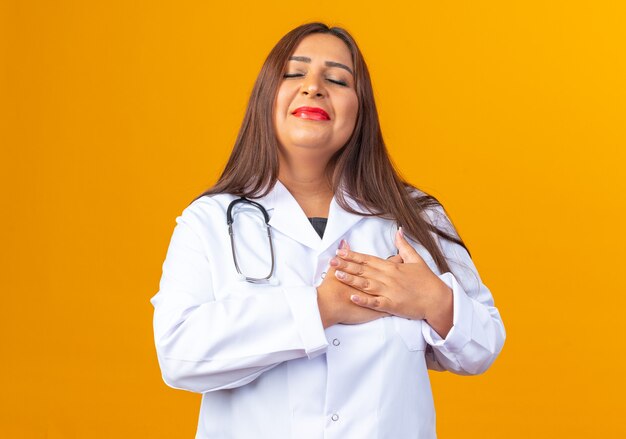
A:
x: 301, y: 257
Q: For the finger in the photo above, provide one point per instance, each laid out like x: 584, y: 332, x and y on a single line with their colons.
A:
x: 378, y: 303
x: 396, y: 259
x: 407, y: 252
x: 360, y: 283
x: 361, y: 258
x: 350, y: 267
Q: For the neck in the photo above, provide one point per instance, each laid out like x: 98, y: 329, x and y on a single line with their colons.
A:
x: 307, y: 183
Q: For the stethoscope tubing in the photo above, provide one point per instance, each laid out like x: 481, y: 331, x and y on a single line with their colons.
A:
x: 230, y: 221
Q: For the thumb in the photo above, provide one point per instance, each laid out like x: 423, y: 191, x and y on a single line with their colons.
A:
x: 396, y: 259
x: 407, y: 252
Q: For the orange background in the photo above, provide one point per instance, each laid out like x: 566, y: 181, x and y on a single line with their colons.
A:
x: 114, y: 115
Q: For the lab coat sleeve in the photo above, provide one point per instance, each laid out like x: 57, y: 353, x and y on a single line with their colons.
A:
x: 477, y: 334
x: 205, y: 344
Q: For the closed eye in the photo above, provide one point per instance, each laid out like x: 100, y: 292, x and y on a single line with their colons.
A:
x: 338, y: 82
x: 298, y: 75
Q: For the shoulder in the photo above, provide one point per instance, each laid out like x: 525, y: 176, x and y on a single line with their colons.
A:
x: 432, y: 210
x: 205, y: 211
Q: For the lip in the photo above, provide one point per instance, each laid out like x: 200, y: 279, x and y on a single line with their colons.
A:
x: 312, y: 113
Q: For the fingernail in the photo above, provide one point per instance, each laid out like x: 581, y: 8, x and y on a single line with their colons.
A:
x: 334, y: 262
x: 400, y: 232
x: 340, y: 274
x: 343, y: 243
x: 355, y: 298
x: 341, y: 252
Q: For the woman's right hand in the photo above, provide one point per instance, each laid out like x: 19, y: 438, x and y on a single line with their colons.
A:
x: 333, y: 299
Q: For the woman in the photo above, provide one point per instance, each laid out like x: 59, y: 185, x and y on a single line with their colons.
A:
x: 329, y: 330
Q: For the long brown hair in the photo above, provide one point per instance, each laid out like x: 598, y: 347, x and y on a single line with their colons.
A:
x: 361, y: 167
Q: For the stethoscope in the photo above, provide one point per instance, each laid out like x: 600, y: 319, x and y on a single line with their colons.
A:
x: 230, y: 221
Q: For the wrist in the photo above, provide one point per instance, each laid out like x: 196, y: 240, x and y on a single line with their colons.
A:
x: 441, y: 303
x: 325, y: 312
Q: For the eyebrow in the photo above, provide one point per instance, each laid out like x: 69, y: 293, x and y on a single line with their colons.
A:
x: 327, y: 63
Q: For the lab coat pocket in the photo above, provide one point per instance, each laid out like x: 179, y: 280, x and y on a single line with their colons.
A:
x: 411, y: 333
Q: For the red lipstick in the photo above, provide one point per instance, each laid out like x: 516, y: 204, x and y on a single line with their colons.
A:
x: 313, y: 113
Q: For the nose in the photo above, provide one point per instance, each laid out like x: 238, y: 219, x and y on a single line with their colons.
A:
x: 312, y: 87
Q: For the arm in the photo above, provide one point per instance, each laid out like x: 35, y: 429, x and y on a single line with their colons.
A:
x: 477, y: 334
x: 205, y: 344
x: 456, y: 304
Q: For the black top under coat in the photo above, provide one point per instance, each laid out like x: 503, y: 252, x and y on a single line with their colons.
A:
x: 319, y: 224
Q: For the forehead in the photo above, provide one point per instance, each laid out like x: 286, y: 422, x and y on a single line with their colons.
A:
x: 324, y: 47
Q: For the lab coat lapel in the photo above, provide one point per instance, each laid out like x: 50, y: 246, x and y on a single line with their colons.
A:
x: 287, y: 217
x: 339, y: 223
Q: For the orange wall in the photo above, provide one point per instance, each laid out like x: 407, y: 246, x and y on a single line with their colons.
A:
x: 116, y: 114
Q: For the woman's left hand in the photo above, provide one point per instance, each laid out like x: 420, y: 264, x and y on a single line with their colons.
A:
x: 403, y: 285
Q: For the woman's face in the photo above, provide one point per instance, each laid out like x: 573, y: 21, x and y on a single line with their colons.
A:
x: 316, y: 104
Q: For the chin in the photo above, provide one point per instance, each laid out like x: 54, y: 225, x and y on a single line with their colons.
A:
x: 311, y: 141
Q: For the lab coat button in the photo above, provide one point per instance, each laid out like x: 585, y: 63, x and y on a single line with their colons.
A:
x: 335, y: 417
x: 336, y: 342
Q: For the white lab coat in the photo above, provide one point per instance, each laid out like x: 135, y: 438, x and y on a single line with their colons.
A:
x: 259, y: 355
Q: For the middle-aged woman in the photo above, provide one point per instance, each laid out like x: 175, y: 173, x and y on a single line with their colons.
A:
x: 326, y: 327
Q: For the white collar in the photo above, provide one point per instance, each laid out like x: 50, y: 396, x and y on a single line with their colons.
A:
x: 287, y: 217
